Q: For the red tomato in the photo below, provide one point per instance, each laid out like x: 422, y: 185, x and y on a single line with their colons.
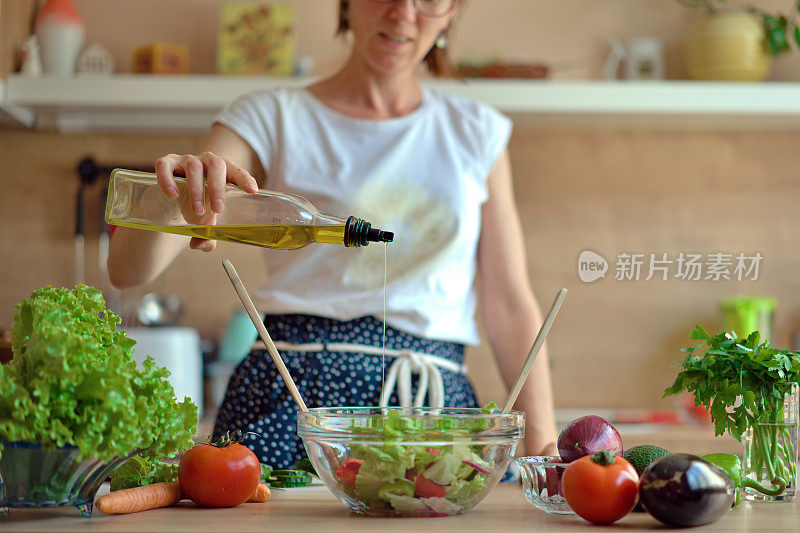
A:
x: 601, y: 488
x: 214, y: 476
x: 347, y: 471
x: 425, y: 488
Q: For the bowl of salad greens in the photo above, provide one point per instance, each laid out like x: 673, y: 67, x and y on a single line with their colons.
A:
x: 410, y: 461
x: 74, y: 404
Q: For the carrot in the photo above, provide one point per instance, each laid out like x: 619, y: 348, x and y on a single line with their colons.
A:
x: 261, y: 494
x: 138, y: 499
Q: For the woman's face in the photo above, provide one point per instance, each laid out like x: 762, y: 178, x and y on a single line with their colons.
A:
x: 393, y: 37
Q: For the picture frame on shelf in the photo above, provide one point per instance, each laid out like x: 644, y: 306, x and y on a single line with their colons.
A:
x: 256, y: 39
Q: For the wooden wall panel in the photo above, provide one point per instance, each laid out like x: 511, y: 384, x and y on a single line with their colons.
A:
x: 15, y: 25
x: 650, y: 192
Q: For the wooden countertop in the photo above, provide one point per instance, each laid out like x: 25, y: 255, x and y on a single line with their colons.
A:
x: 315, y: 509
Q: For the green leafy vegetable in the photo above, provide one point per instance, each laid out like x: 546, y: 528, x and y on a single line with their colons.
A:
x: 395, y: 425
x: 72, y: 382
x: 138, y: 471
x: 742, y: 383
x: 732, y: 368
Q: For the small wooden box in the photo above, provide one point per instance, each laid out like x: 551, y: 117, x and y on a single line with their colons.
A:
x: 161, y: 58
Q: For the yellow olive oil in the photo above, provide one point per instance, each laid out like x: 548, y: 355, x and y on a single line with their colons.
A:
x: 282, y: 236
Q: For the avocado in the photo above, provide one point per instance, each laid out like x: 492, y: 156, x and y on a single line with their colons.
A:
x: 640, y: 457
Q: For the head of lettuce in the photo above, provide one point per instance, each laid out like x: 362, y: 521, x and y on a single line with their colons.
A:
x: 72, y: 381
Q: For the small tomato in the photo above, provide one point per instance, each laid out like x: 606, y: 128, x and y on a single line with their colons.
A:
x: 219, y: 475
x: 425, y: 488
x: 601, y: 488
x: 347, y: 471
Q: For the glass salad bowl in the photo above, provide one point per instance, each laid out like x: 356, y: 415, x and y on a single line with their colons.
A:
x: 31, y: 476
x: 541, y: 483
x: 409, y: 461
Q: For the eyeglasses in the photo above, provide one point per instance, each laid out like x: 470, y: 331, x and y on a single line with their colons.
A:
x: 428, y: 8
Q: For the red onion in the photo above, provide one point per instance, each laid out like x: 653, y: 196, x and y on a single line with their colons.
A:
x: 588, y: 435
x: 480, y: 469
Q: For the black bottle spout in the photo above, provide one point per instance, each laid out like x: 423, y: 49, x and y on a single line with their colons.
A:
x: 357, y: 232
x: 378, y: 235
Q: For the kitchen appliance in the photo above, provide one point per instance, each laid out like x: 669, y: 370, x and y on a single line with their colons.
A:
x: 178, y: 350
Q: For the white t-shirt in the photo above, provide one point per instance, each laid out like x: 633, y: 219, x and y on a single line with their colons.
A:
x: 422, y: 176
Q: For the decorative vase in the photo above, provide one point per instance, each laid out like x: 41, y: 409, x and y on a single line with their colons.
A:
x: 728, y: 46
x: 770, y: 449
x: 60, y: 31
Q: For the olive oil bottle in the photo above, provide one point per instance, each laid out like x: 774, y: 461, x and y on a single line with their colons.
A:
x: 264, y: 218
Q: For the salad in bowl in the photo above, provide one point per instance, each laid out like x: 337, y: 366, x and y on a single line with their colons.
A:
x: 410, y: 461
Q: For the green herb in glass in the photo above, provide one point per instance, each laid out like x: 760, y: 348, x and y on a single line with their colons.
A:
x: 742, y: 383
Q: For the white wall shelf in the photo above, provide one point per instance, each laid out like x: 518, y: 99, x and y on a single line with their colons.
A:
x: 128, y: 102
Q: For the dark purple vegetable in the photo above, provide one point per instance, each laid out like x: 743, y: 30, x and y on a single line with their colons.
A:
x: 683, y: 490
x: 588, y: 435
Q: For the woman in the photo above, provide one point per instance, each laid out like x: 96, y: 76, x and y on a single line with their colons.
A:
x: 430, y: 167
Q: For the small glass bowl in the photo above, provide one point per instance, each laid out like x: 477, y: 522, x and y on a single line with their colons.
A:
x: 31, y: 476
x: 340, y: 441
x: 541, y: 483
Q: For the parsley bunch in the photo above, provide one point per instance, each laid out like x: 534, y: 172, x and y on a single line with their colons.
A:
x: 726, y: 368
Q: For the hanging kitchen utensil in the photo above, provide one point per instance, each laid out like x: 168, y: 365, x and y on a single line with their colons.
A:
x: 80, y: 236
x: 87, y: 174
x: 537, y: 345
x: 89, y: 171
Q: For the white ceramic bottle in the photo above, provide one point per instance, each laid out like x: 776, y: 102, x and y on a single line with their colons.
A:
x: 60, y: 31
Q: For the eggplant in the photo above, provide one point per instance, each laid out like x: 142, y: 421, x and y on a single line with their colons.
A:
x: 683, y: 490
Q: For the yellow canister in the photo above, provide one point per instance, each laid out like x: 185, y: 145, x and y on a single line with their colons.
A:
x: 728, y: 46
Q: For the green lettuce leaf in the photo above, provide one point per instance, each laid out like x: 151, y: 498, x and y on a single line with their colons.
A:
x: 461, y: 491
x: 138, y: 471
x: 368, y: 484
x: 72, y: 381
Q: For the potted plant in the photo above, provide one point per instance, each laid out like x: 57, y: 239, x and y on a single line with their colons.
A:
x: 750, y: 389
x: 738, y: 44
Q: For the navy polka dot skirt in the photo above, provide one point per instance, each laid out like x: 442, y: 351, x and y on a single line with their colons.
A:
x: 257, y: 400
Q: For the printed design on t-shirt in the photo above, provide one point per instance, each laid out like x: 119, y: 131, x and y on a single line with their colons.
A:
x: 424, y: 226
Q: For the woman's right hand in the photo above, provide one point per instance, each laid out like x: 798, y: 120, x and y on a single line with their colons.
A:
x: 204, y: 172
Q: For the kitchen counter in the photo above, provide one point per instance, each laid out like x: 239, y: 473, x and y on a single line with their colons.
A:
x: 315, y: 509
